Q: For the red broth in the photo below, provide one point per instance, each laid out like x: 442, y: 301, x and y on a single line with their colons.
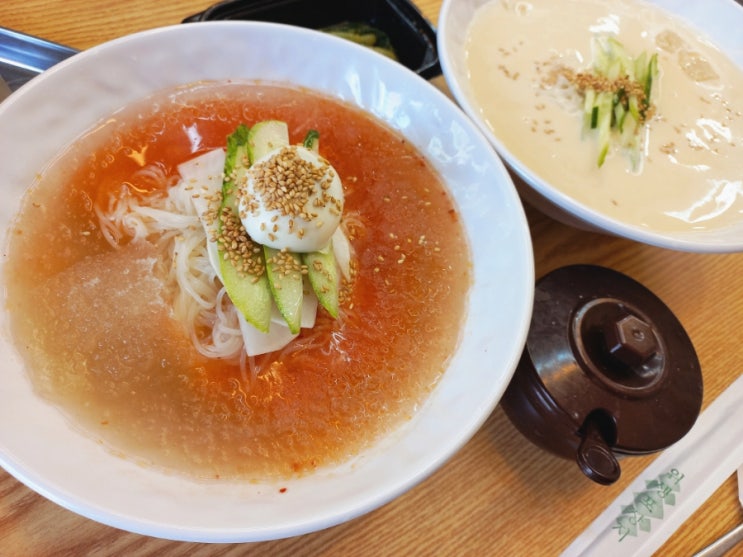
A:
x: 94, y: 323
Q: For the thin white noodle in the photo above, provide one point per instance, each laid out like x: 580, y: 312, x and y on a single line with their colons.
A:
x: 170, y: 221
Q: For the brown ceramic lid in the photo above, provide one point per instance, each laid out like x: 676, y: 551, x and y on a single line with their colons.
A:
x: 607, y: 369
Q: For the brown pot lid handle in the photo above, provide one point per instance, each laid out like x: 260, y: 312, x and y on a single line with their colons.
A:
x: 595, y: 458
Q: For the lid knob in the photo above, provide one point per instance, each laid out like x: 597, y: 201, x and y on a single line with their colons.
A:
x: 619, y: 345
x: 630, y: 340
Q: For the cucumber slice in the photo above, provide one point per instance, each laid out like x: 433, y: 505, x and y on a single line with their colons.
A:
x: 641, y: 67
x: 265, y: 137
x: 620, y: 114
x: 249, y: 293
x: 604, y: 117
x: 652, y: 74
x: 241, y: 262
x: 322, y: 273
x: 614, y: 108
x: 284, y: 271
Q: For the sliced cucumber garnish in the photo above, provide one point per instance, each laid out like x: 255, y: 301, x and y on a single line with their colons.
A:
x: 617, y: 97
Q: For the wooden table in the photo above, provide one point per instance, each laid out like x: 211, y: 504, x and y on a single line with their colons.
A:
x: 499, y: 494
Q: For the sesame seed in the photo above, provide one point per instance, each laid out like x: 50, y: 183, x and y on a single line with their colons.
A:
x: 237, y: 247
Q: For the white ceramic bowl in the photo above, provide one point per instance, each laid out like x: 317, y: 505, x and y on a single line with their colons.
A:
x: 40, y: 448
x: 720, y: 19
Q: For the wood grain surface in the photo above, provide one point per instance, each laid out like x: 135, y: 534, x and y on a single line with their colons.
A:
x: 499, y: 495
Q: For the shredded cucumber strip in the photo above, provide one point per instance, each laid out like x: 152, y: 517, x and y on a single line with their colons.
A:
x: 617, y: 112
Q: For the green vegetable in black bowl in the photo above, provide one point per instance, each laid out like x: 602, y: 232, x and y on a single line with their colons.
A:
x: 365, y: 34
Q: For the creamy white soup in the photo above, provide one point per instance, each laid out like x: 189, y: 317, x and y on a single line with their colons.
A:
x: 691, y: 170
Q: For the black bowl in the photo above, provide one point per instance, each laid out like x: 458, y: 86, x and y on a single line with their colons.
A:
x: 412, y: 37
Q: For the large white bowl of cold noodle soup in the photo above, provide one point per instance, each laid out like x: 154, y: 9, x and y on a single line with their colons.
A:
x: 663, y: 168
x: 138, y: 392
